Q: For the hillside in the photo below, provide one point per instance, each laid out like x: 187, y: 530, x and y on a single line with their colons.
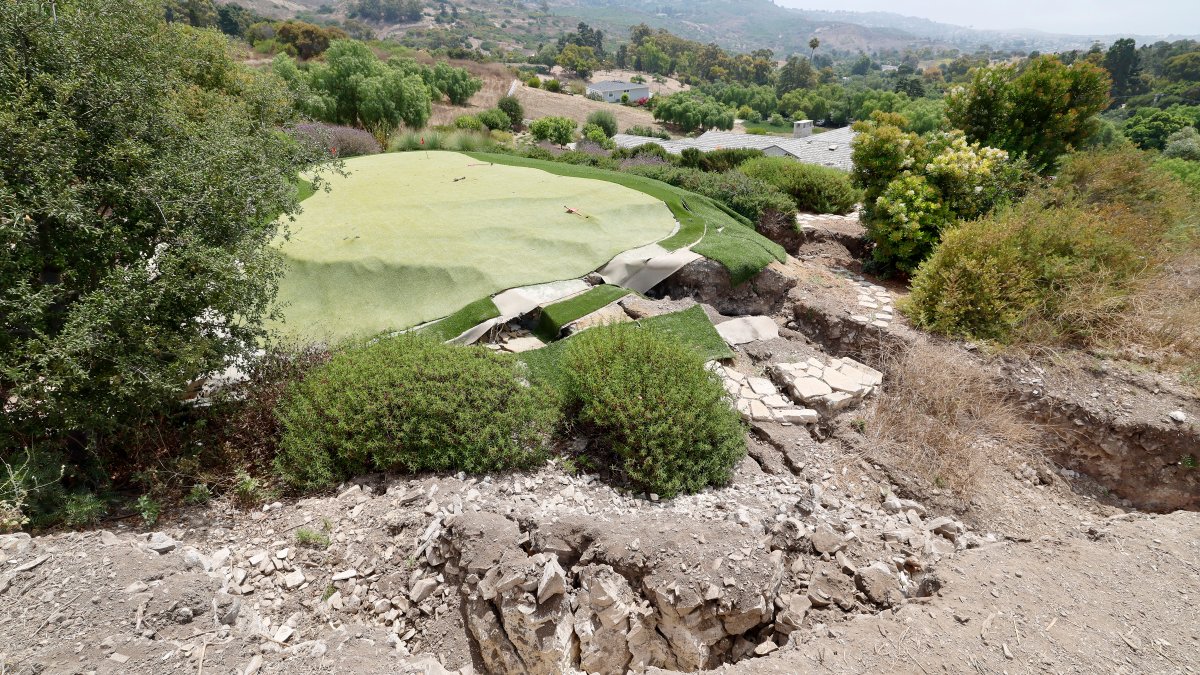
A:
x: 739, y: 25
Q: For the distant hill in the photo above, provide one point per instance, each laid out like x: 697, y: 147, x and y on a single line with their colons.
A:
x: 751, y: 24
x: 969, y: 38
x: 740, y: 25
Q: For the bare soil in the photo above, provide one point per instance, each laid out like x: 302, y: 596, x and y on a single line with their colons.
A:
x: 829, y: 550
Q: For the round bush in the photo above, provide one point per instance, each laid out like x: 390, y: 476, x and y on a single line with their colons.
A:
x: 553, y: 86
x: 758, y: 201
x: 409, y: 403
x: 816, y: 189
x: 495, y: 119
x: 534, y: 82
x: 512, y: 107
x: 605, y: 120
x: 658, y: 416
x: 469, y: 122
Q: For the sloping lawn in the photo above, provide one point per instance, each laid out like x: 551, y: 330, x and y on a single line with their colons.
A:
x: 411, y: 237
x: 723, y: 236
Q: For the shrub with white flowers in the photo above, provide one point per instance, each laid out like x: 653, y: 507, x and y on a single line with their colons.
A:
x: 918, y: 185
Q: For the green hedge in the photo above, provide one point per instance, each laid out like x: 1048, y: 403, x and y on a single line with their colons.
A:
x: 816, y: 189
x: 753, y: 199
x: 410, y: 403
x: 656, y: 415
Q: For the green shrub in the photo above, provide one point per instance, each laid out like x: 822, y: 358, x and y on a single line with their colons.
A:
x: 468, y: 122
x: 148, y: 509
x: 312, y: 539
x: 648, y: 132
x: 1060, y: 266
x: 536, y: 152
x: 559, y: 130
x: 553, y: 86
x: 647, y: 150
x: 409, y: 403
x: 816, y: 189
x: 1183, y: 144
x: 248, y: 490
x: 1187, y: 171
x: 750, y: 197
x: 81, y: 509
x: 199, y: 495
x: 727, y: 159
x: 916, y: 185
x: 659, y: 418
x: 495, y: 119
x: 534, y: 82
x: 512, y: 107
x: 595, y: 134
x: 605, y: 120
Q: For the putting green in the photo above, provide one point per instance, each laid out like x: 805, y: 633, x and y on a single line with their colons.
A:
x: 411, y: 237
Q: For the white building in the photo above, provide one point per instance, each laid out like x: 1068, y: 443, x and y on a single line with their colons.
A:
x: 612, y: 90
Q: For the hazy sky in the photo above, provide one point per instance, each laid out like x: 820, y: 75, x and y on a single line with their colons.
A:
x: 1144, y: 17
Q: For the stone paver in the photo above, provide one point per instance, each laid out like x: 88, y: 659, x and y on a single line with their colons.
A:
x: 757, y: 399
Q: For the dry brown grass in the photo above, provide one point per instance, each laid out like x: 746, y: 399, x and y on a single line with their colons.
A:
x: 940, y: 417
x: 496, y: 81
x: 1162, y: 318
x: 541, y: 103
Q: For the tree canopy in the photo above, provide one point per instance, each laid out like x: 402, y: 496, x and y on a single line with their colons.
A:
x: 1039, y: 111
x: 141, y: 182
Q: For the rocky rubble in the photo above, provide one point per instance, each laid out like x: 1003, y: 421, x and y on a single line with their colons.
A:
x: 542, y: 572
x: 757, y: 399
x: 831, y: 386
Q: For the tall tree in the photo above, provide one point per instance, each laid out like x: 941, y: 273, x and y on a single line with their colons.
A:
x: 812, y: 45
x: 142, y: 175
x: 797, y: 73
x: 1124, y: 67
x: 1041, y: 111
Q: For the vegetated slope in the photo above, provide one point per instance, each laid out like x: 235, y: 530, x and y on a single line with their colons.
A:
x: 411, y: 237
x: 541, y: 103
x: 277, y: 9
x: 742, y: 25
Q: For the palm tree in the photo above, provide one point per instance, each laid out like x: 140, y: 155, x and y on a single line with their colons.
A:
x: 813, y: 44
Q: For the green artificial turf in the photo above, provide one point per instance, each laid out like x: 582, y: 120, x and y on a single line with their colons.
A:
x: 725, y: 236
x: 411, y: 237
x: 691, y: 226
x: 559, y: 314
x: 463, y: 320
x: 304, y: 189
x: 690, y: 326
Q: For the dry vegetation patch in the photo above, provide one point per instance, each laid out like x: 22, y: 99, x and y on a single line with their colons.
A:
x: 940, y: 417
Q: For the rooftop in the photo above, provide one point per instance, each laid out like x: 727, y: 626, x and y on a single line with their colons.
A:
x: 614, y: 85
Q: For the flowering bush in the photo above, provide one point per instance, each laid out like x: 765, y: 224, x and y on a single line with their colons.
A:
x: 916, y: 185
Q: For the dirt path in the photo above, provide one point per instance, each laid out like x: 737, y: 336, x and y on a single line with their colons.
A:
x: 1115, y: 596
